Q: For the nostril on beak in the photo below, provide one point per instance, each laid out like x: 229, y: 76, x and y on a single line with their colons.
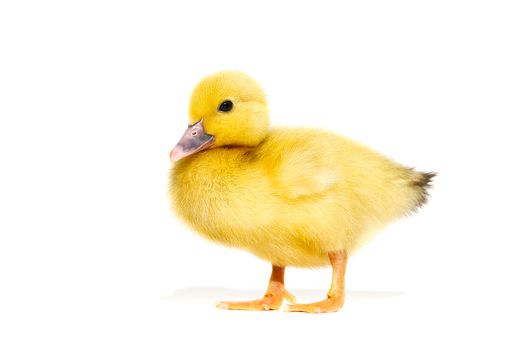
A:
x: 194, y: 133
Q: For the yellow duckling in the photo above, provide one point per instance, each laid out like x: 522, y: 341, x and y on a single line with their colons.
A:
x: 292, y: 196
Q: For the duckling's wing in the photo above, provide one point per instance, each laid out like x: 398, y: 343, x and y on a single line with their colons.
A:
x: 304, y: 172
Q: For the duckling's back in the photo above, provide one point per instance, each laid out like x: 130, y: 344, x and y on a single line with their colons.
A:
x: 339, y: 188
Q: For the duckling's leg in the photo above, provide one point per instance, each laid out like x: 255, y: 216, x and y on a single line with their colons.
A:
x: 336, y: 294
x: 272, y: 300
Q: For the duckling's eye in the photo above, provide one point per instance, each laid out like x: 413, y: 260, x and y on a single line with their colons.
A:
x: 225, y: 106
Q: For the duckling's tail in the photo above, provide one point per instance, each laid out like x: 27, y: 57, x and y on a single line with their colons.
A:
x: 422, y: 182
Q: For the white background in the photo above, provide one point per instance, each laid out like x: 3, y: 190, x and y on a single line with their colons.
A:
x: 94, y: 94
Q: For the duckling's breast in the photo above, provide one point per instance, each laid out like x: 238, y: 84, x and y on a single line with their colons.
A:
x: 222, y: 196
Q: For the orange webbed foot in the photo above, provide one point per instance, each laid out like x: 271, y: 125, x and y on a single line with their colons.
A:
x: 275, y: 295
x: 331, y: 304
x: 271, y: 301
x: 336, y: 294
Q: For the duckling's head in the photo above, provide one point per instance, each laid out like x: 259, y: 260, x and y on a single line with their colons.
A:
x: 226, y: 108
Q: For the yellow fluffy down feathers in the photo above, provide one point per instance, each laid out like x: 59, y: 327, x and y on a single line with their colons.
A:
x: 287, y: 195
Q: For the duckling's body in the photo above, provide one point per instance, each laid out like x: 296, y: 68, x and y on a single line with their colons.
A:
x: 291, y: 196
x: 294, y: 197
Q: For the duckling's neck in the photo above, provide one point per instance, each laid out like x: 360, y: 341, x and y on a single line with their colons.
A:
x: 220, y: 159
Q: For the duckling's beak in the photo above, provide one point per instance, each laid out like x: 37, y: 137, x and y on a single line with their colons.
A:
x: 195, y: 139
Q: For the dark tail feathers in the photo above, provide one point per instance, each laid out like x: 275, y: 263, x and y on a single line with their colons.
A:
x: 423, y: 183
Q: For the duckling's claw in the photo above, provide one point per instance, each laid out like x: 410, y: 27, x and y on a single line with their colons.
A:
x: 222, y: 305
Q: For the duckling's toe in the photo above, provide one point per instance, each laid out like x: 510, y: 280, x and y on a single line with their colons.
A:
x: 270, y: 301
x: 331, y: 304
x: 264, y: 304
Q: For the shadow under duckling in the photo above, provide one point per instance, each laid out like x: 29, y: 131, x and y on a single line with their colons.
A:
x: 292, y: 196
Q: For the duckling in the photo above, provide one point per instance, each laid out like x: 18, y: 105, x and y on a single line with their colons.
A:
x: 297, y: 197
